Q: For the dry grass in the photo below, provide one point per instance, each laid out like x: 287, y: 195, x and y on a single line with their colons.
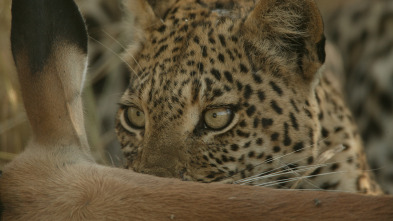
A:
x: 14, y: 128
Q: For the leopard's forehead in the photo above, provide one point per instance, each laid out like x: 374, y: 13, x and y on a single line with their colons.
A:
x: 194, y: 55
x: 191, y: 35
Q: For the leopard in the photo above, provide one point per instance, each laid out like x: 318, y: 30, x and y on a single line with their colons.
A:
x: 237, y: 92
x: 361, y: 31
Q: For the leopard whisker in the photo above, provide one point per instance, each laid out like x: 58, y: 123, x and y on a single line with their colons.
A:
x: 338, y: 191
x: 272, y: 175
x: 118, y: 56
x: 296, y: 173
x: 266, y: 172
x: 122, y: 46
x: 273, y: 183
x: 273, y: 159
x: 279, y: 173
x: 325, y: 156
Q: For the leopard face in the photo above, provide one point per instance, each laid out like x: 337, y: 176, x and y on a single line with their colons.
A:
x: 225, y: 90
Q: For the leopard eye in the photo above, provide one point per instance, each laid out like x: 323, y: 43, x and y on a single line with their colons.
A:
x: 218, y: 118
x: 134, y: 117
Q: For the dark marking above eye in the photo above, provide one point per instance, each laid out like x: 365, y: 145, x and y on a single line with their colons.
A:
x: 276, y: 88
x: 247, y: 91
x: 217, y: 93
x: 251, y: 110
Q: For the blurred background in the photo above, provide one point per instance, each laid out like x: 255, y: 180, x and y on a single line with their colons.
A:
x: 107, y: 78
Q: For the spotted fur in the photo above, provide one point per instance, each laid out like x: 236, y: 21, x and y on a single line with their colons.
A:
x: 363, y: 33
x: 260, y: 60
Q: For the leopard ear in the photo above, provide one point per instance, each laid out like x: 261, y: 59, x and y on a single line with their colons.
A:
x: 160, y: 7
x: 148, y: 12
x: 143, y: 15
x: 287, y: 34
